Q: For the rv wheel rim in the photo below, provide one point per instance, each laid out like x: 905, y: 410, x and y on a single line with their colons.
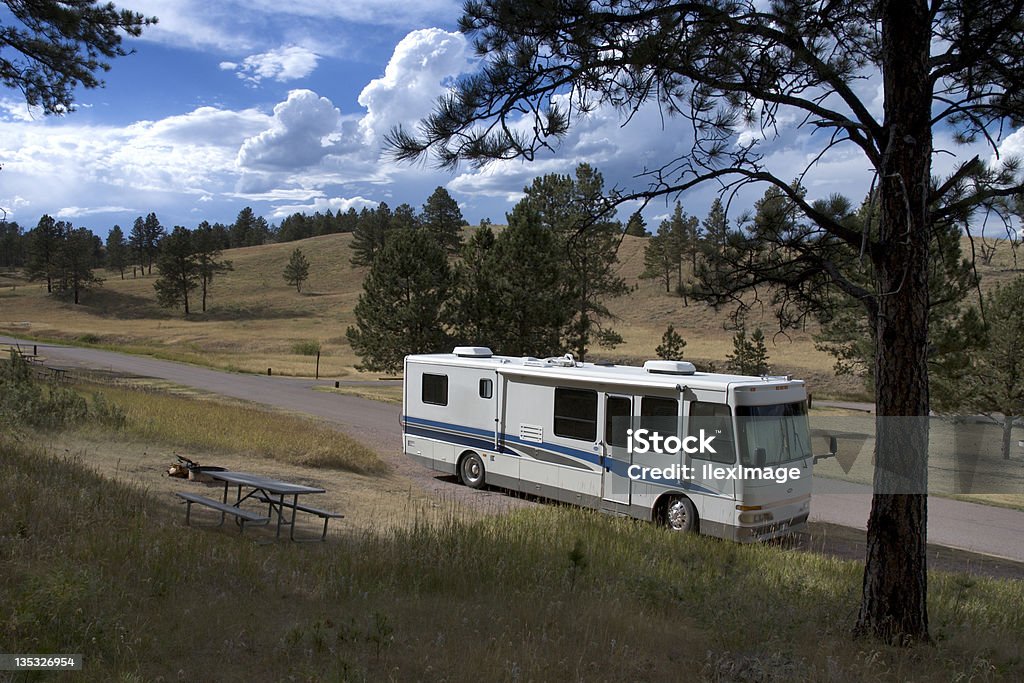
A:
x: 677, y: 519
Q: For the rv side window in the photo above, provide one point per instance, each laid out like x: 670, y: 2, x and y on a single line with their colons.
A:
x: 714, y: 419
x: 486, y: 388
x: 659, y: 414
x: 576, y: 414
x: 617, y: 413
x: 435, y: 389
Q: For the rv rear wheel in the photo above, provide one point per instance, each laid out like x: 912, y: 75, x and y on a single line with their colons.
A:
x: 472, y: 471
x: 680, y: 514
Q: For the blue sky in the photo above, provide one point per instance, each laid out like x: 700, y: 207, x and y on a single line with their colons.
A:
x: 282, y: 106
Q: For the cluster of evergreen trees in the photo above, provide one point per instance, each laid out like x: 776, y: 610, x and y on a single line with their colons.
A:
x: 140, y: 248
x: 682, y: 243
x: 536, y: 287
x: 63, y: 256
x: 188, y: 260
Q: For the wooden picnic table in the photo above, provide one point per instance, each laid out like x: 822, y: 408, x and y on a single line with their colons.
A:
x: 281, y: 498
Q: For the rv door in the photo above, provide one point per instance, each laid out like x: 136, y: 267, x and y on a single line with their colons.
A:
x: 616, y: 486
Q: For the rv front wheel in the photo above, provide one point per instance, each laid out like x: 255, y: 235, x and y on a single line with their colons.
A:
x: 472, y: 471
x: 680, y: 514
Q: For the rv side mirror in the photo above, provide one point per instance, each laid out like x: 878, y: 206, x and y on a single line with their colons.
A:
x: 833, y: 450
x: 760, y: 456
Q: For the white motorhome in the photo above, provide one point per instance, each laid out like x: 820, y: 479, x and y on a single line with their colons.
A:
x: 581, y: 433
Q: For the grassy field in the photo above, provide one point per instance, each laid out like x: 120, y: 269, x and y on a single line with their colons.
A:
x: 255, y: 321
x: 97, y: 566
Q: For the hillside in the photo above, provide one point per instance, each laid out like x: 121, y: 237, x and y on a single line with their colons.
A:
x: 255, y: 321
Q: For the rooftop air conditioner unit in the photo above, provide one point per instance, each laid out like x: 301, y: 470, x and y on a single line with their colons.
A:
x: 670, y: 367
x: 472, y: 352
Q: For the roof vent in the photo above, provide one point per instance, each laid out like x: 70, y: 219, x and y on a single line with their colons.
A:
x: 472, y: 352
x: 669, y: 367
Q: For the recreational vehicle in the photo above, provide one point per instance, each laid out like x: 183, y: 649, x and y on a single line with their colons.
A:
x: 725, y: 455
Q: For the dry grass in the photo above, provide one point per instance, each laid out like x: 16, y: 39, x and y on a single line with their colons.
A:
x: 384, y: 394
x: 194, y: 423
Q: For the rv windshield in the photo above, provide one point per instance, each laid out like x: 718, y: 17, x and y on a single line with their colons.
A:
x: 781, y: 430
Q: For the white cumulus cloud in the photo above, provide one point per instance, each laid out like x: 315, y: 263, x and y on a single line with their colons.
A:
x: 420, y: 69
x: 287, y: 63
x: 304, y: 130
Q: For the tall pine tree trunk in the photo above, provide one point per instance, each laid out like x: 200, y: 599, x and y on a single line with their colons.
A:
x: 893, y: 605
x: 1007, y: 435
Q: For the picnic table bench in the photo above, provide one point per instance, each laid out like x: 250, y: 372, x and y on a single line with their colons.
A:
x: 225, y: 509
x: 322, y: 514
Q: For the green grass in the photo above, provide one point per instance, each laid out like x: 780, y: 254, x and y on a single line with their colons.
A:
x: 105, y: 569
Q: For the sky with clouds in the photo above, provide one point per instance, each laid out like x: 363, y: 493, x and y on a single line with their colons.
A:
x: 283, y: 107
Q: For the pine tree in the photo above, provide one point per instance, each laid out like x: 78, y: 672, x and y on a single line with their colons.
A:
x: 137, y: 243
x: 207, y: 245
x: 370, y: 234
x: 575, y: 210
x: 996, y: 382
x: 716, y: 228
x: 749, y: 356
x: 249, y: 230
x: 52, y: 49
x: 404, y: 217
x: 117, y: 250
x: 43, y: 250
x: 476, y: 299
x: 661, y: 257
x: 76, y: 258
x: 402, y: 307
x: 296, y: 271
x: 636, y: 226
x: 12, y: 244
x: 153, y: 233
x: 510, y: 294
x: 178, y: 270
x: 672, y: 345
x: 950, y: 72
x: 443, y: 217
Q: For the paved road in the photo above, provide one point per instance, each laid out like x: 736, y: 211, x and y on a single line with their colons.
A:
x: 980, y: 528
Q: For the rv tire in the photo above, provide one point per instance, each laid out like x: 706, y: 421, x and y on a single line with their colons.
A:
x: 678, y: 513
x: 471, y: 471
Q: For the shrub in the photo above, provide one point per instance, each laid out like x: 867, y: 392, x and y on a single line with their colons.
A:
x: 29, y: 402
x: 306, y: 348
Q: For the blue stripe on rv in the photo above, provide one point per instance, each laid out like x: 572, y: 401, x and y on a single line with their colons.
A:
x: 464, y: 436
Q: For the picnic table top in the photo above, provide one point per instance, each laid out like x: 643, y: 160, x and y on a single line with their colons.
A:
x: 261, y: 482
